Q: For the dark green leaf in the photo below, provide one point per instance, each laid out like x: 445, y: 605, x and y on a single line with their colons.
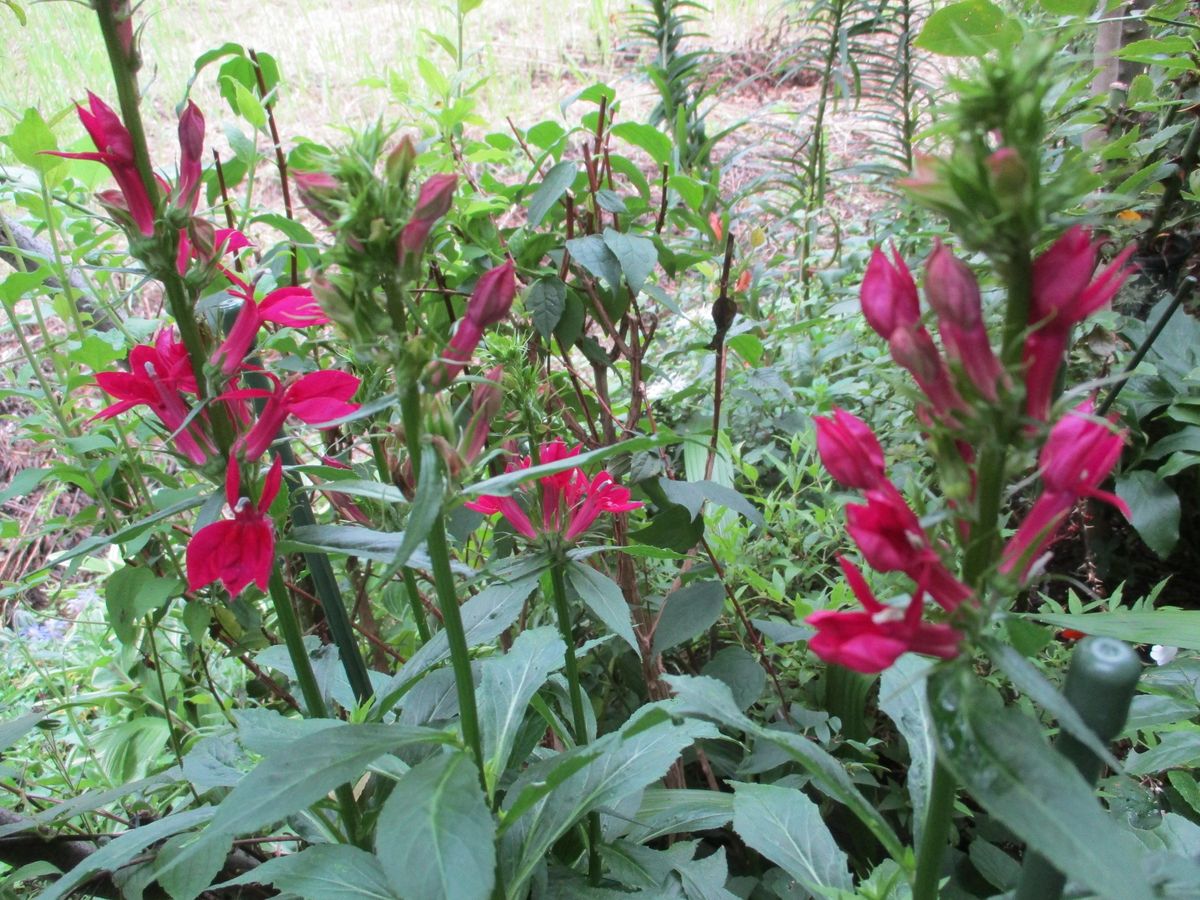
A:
x: 545, y: 302
x: 1155, y: 509
x: 649, y: 138
x: 902, y: 698
x: 436, y: 835
x: 679, y: 811
x: 553, y: 186
x: 593, y: 254
x: 968, y: 28
x: 637, y: 256
x: 352, y: 540
x: 323, y: 872
x: 738, y: 669
x: 15, y: 729
x: 1180, y: 749
x: 674, y: 528
x: 603, y: 597
x: 130, y: 593
x: 787, y: 828
x: 1169, y: 627
x: 687, y: 612
x: 692, y: 495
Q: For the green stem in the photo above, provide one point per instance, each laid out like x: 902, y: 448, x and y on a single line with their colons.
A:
x: 414, y: 601
x: 309, y: 689
x: 443, y: 584
x: 938, y: 815
x: 571, y: 667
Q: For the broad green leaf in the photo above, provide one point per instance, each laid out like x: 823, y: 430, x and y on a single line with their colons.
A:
x: 666, y: 811
x: 298, y: 775
x: 1179, y: 749
x: 436, y: 836
x: 545, y: 301
x: 692, y: 495
x: 649, y: 138
x: 556, y: 183
x: 902, y: 699
x: 359, y: 487
x: 1154, y: 507
x: 603, y: 597
x: 619, y: 765
x: 506, y: 686
x: 1169, y: 627
x: 484, y: 616
x: 121, y: 849
x: 1033, y: 684
x: 353, y: 540
x: 741, y: 672
x: 323, y: 872
x: 593, y: 254
x: 29, y: 140
x: 786, y: 827
x: 704, y: 879
x: 673, y: 528
x: 15, y: 729
x: 712, y: 699
x: 132, y: 592
x: 688, y: 612
x: 968, y: 28
x: 999, y: 755
x: 637, y: 256
x: 427, y: 503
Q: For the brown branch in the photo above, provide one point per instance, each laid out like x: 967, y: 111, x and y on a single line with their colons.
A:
x: 280, y: 159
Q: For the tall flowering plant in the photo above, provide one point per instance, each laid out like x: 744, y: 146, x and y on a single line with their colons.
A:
x: 990, y: 404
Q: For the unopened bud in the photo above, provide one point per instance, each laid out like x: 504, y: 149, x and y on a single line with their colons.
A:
x: 400, y: 161
x: 952, y: 290
x: 435, y: 197
x: 1009, y: 173
x: 493, y: 296
x: 319, y: 192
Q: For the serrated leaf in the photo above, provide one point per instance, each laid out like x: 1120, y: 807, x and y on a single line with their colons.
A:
x: 556, y: 183
x: 545, y: 302
x: 436, y: 835
x: 601, y: 595
x: 787, y: 828
x: 688, y: 612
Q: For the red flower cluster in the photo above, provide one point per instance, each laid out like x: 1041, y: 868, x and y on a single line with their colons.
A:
x: 891, y: 539
x: 571, y: 502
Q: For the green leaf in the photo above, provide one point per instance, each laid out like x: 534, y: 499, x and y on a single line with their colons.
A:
x: 436, y: 835
x: 969, y: 28
x: 29, y: 141
x: 426, y: 504
x: 1180, y: 749
x: 360, y: 487
x: 692, y: 495
x: 128, y: 532
x: 687, y: 612
x: 545, y: 302
x: 556, y: 183
x: 603, y: 597
x: 787, y: 828
x: 594, y: 254
x: 323, y: 872
x: 738, y: 669
x: 637, y: 256
x: 999, y: 755
x: 649, y: 138
x: 353, y: 540
x: 674, y: 528
x: 15, y: 729
x: 506, y: 686
x: 248, y: 106
x: 1154, y: 507
x: 130, y: 593
x: 679, y: 811
x: 1169, y: 627
x: 1069, y: 7
x: 902, y: 699
x: 23, y: 483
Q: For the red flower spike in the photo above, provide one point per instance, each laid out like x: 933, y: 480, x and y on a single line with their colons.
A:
x: 238, y: 551
x: 871, y: 640
x: 889, y: 295
x: 850, y: 451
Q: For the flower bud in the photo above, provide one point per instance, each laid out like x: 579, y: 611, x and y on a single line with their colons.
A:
x: 953, y: 293
x: 493, y: 296
x: 319, y: 192
x: 435, y: 197
x: 191, y: 149
x: 849, y: 450
x: 889, y: 295
x: 1009, y: 175
x: 399, y: 162
x: 411, y: 244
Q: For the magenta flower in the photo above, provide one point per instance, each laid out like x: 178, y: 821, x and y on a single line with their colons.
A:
x: 114, y: 148
x: 953, y: 293
x: 892, y: 540
x: 890, y: 305
x: 849, y: 450
x: 871, y: 640
x: 571, y: 502
x: 1064, y: 294
x: 489, y: 303
x: 1079, y: 454
x: 295, y: 307
x: 241, y: 550
x: 320, y: 193
x: 315, y: 398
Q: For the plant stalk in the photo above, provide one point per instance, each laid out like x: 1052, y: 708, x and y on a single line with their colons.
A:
x: 934, y: 835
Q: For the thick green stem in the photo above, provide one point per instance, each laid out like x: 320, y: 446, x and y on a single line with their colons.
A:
x: 938, y: 816
x: 571, y: 667
x: 414, y: 601
x: 289, y: 626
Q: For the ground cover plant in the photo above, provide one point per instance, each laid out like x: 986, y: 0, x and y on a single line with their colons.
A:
x: 454, y: 506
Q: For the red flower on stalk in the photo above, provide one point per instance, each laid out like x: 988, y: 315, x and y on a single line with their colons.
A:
x: 1063, y: 295
x: 953, y: 292
x: 241, y: 550
x: 315, y: 398
x: 571, y: 502
x: 850, y: 451
x: 872, y: 639
x: 1078, y: 455
x: 489, y: 303
x: 295, y: 307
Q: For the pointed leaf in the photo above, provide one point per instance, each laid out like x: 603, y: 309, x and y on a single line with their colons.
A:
x: 688, y: 612
x: 637, y: 256
x: 902, y: 698
x: 556, y: 183
x: 545, y: 302
x: 601, y: 595
x: 323, y: 872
